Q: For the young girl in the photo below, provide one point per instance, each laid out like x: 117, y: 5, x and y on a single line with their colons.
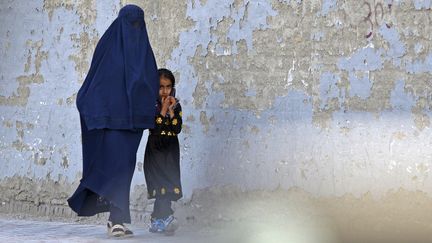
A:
x: 162, y: 157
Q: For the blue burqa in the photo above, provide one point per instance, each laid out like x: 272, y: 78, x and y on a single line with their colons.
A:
x: 117, y: 101
x: 122, y: 84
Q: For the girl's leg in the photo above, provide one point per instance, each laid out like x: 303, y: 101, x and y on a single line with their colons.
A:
x: 162, y: 208
x: 163, y: 220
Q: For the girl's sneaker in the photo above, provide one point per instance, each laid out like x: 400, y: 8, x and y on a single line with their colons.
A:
x: 167, y: 226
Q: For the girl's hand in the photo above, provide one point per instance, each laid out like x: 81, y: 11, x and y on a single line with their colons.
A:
x: 165, y: 103
x: 172, y: 102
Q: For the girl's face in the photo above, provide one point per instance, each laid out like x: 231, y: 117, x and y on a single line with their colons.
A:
x: 165, y: 87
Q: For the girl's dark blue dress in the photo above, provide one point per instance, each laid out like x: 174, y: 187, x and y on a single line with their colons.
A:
x: 162, y: 162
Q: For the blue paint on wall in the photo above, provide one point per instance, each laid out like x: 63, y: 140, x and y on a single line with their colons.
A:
x: 422, y: 4
x: 242, y: 29
x: 328, y: 6
x: 397, y: 47
x: 360, y: 86
x: 400, y: 100
x: 420, y: 66
x: 364, y: 59
x: 328, y: 87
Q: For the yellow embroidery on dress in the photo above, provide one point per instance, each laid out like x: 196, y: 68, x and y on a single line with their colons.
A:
x: 176, y: 190
x: 174, y: 121
x: 159, y: 120
x: 180, y: 114
x: 163, y: 133
x: 167, y: 123
x: 169, y: 134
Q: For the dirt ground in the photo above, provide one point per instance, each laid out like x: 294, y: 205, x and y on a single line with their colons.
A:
x: 296, y: 216
x: 227, y: 214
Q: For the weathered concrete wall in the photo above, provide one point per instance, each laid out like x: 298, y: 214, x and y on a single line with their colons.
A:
x: 332, y: 97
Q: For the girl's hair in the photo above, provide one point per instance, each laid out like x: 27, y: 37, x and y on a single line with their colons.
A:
x: 165, y: 73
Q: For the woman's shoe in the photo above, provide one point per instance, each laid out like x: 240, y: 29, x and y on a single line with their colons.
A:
x: 118, y: 230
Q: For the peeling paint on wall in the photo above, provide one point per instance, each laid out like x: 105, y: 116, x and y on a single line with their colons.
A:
x: 86, y: 49
x: 86, y: 9
x: 164, y: 35
x: 20, y: 97
x: 333, y: 97
x: 86, y: 41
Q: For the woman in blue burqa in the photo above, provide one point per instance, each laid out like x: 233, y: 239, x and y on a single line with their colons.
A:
x: 116, y: 103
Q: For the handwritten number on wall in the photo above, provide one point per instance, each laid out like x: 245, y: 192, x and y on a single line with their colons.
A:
x: 375, y: 16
